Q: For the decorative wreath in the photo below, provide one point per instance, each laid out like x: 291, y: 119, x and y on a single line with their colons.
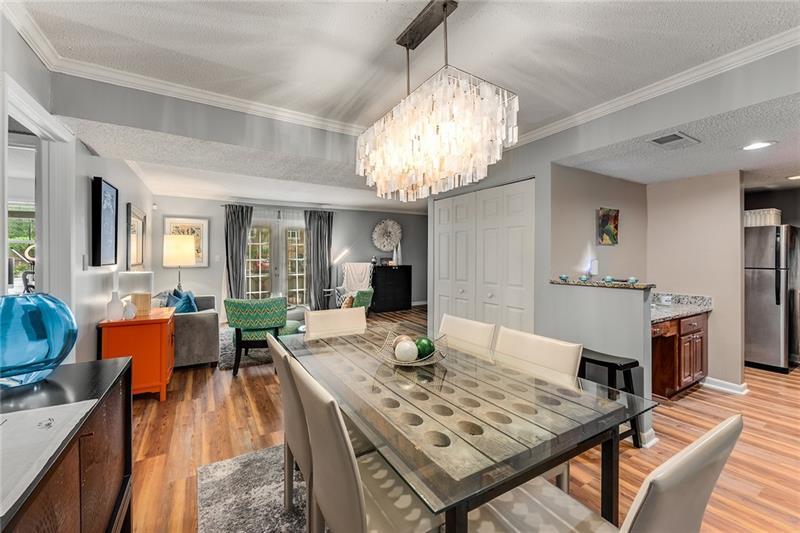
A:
x: 387, y: 234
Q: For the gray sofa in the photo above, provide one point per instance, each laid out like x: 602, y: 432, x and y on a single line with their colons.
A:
x: 197, y: 334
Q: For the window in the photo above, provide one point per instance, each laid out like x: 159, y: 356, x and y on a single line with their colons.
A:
x: 258, y: 280
x: 296, y: 265
x: 21, y: 238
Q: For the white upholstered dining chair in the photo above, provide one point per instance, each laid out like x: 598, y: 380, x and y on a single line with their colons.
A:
x: 296, y: 443
x: 362, y: 495
x: 672, y: 498
x: 468, y: 336
x: 335, y: 323
x: 552, y: 359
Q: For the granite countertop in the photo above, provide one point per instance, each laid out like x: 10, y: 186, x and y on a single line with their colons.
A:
x: 600, y: 283
x: 683, y: 305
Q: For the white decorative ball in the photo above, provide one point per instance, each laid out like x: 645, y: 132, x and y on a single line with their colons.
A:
x: 406, y: 351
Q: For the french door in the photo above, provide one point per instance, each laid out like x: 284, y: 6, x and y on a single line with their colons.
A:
x: 276, y: 260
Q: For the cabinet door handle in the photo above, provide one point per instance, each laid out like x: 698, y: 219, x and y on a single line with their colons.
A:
x: 657, y: 332
x: 693, y: 324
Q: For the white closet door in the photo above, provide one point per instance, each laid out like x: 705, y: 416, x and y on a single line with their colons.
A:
x: 463, y: 257
x: 505, y: 253
x: 442, y: 263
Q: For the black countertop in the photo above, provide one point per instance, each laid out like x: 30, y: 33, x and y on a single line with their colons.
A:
x: 68, y: 383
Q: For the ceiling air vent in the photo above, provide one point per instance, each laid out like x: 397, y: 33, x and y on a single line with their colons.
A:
x: 674, y: 141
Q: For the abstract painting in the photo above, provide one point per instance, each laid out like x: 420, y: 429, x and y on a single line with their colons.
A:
x: 105, y: 199
x: 198, y: 228
x: 607, y: 226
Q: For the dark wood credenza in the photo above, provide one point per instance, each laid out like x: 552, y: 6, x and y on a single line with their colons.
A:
x: 86, y: 484
x: 392, y: 286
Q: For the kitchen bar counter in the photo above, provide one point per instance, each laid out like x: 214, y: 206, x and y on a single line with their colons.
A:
x: 602, y: 284
x: 683, y: 305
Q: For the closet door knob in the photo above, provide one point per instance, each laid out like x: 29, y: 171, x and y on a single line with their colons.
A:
x: 460, y: 291
x: 490, y: 295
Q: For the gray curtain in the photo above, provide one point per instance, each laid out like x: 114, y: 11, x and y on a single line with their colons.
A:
x: 237, y: 231
x: 318, y: 257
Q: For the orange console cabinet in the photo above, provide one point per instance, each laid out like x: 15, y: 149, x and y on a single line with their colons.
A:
x: 150, y: 341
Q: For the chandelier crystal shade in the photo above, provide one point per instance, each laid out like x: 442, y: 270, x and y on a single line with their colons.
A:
x: 443, y: 135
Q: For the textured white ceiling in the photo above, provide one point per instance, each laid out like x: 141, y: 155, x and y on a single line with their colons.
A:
x: 182, y: 166
x: 339, y: 61
x: 721, y: 139
x: 175, y: 181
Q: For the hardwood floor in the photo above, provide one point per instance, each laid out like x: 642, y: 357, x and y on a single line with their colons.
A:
x: 209, y: 416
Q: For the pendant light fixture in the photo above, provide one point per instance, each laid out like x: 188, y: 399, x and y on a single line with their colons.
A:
x: 445, y: 133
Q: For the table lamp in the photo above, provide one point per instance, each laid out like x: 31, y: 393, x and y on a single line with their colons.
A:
x: 179, y: 251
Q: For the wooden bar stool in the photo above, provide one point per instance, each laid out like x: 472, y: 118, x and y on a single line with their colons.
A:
x: 614, y: 364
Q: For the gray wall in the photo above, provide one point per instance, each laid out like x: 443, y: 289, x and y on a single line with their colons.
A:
x: 353, y: 230
x: 92, y: 287
x: 787, y: 200
x: 23, y: 65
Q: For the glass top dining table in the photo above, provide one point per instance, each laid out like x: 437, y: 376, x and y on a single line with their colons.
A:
x: 466, y: 429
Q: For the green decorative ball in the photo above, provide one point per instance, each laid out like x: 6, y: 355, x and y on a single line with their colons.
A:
x: 425, y: 347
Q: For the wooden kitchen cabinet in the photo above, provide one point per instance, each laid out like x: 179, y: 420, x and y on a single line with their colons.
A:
x: 679, y: 354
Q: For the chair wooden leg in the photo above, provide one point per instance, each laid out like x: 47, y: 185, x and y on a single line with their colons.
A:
x: 288, y: 478
x: 237, y: 359
x: 316, y: 522
x: 562, y: 480
x: 612, y: 377
x: 637, y: 440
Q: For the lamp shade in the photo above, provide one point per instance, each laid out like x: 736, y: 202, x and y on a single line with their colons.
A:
x: 179, y: 250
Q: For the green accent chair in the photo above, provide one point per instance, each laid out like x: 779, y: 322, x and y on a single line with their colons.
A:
x: 253, y: 321
x: 364, y: 299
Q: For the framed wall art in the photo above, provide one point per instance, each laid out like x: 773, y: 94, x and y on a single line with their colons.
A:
x: 137, y: 228
x: 198, y: 228
x: 104, y: 204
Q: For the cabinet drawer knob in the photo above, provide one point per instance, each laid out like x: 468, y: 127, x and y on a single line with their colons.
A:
x: 693, y: 324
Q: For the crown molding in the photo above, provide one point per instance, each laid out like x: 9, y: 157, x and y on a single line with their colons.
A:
x: 25, y: 24
x: 754, y: 52
x: 21, y: 19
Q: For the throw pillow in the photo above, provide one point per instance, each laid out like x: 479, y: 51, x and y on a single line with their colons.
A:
x: 348, y: 302
x: 184, y: 304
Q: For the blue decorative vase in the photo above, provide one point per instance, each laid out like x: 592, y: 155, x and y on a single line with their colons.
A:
x: 37, y: 331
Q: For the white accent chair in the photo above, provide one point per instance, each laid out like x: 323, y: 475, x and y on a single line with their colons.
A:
x: 468, y: 336
x: 555, y: 360
x: 335, y: 322
x: 296, y: 444
x: 362, y: 495
x: 672, y: 498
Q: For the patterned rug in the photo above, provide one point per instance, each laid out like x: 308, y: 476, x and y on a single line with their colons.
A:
x: 227, y: 352
x: 245, y: 494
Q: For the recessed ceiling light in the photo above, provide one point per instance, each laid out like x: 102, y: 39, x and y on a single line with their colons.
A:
x: 759, y: 145
x: 794, y: 177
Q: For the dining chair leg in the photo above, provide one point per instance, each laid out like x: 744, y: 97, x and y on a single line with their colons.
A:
x: 562, y: 480
x: 237, y: 359
x: 612, y: 377
x: 288, y: 478
x: 316, y: 522
x: 637, y: 441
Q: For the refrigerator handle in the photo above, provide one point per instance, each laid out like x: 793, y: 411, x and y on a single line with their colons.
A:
x: 778, y: 287
x: 778, y: 247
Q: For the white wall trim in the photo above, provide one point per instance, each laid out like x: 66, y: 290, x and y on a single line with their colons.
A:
x: 30, y: 113
x: 18, y: 15
x: 754, y: 52
x: 725, y: 386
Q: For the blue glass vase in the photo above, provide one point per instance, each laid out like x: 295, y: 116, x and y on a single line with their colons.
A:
x: 37, y: 331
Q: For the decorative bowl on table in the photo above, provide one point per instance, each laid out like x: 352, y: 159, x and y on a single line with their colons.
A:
x: 412, y: 350
x: 37, y: 332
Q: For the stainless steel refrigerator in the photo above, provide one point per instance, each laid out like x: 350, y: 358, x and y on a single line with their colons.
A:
x: 772, y: 296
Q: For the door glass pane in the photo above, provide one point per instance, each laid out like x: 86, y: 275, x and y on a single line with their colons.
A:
x: 296, y: 265
x: 257, y: 272
x: 21, y: 247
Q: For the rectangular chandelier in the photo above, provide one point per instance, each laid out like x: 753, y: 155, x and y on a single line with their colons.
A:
x: 442, y: 136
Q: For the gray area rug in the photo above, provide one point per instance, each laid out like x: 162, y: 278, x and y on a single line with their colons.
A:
x: 245, y: 494
x: 227, y: 352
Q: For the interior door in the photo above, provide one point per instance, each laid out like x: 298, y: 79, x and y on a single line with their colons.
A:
x: 463, y: 257
x: 442, y: 264
x: 505, y: 253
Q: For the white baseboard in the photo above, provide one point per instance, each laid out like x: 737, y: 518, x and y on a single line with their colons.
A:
x: 419, y: 302
x: 725, y: 386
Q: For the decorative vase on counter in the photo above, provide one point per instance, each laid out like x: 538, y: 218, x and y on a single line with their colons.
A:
x: 129, y: 311
x: 37, y: 332
x: 115, y: 309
